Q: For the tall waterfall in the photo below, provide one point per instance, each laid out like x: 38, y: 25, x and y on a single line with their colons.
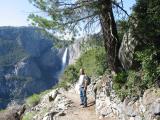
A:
x: 64, y: 58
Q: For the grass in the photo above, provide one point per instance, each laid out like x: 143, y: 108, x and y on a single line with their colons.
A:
x: 33, y: 100
x: 28, y: 116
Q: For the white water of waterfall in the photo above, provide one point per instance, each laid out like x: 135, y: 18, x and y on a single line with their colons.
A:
x: 64, y: 58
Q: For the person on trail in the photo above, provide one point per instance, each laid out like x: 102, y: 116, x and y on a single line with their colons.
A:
x: 82, y: 88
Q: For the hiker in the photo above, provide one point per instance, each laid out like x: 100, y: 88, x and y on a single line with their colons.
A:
x: 82, y: 88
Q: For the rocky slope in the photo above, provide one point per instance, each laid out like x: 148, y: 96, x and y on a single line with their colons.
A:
x: 108, y: 105
x: 60, y: 104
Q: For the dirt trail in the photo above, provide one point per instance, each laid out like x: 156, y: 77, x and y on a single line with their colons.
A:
x: 77, y: 112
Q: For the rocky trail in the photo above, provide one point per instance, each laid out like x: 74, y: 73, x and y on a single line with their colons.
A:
x: 77, y: 112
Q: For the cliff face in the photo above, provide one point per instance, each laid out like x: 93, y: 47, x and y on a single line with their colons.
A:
x: 28, y: 63
x: 74, y: 51
x: 127, y: 49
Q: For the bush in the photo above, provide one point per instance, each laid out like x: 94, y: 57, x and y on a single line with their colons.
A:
x: 33, y: 100
x: 146, y: 71
x: 133, y: 83
x: 149, y: 66
x: 93, y: 61
x: 28, y: 116
x: 69, y: 77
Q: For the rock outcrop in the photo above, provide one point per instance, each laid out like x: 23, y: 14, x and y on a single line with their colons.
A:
x: 127, y: 50
x: 74, y: 51
x: 51, y: 106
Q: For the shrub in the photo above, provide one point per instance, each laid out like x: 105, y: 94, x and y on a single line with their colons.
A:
x: 93, y: 61
x: 28, y: 116
x: 149, y: 66
x: 69, y: 77
x: 143, y: 75
x: 133, y: 83
x: 33, y: 100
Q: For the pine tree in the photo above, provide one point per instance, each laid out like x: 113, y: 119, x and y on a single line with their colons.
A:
x: 74, y: 15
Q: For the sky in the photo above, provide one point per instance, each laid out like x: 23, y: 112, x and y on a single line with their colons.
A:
x: 15, y: 12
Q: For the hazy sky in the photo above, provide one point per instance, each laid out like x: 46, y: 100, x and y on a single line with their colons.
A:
x: 15, y: 12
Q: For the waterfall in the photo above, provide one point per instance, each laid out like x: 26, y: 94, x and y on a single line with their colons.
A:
x: 64, y: 58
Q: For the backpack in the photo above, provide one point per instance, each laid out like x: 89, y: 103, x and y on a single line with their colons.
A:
x: 88, y: 79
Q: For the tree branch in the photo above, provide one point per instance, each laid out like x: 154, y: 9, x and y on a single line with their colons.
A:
x: 116, y: 4
x: 77, y: 20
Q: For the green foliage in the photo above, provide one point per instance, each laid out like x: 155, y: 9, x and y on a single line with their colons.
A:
x: 149, y: 66
x: 125, y: 84
x: 133, y: 83
x: 122, y: 28
x: 65, y: 15
x: 2, y: 110
x: 69, y: 77
x: 28, y: 116
x: 101, y: 63
x: 121, y: 77
x: 93, y: 41
x: 148, y: 20
x: 118, y: 84
x: 136, y: 80
x: 147, y: 32
x: 93, y: 61
x: 33, y: 100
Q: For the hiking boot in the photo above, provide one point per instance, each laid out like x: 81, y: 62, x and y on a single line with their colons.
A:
x: 81, y: 104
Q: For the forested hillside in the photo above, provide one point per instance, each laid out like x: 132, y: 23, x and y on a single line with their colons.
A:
x: 23, y: 63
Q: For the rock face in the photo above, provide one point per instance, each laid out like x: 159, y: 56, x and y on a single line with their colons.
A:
x: 28, y: 63
x: 127, y: 50
x: 74, y: 52
x: 109, y: 105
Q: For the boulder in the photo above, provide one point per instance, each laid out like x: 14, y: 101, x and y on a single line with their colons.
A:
x: 127, y: 49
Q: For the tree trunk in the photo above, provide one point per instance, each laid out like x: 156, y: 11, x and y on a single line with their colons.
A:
x: 110, y: 35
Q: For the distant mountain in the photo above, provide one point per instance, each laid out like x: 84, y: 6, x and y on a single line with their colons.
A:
x: 28, y: 63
